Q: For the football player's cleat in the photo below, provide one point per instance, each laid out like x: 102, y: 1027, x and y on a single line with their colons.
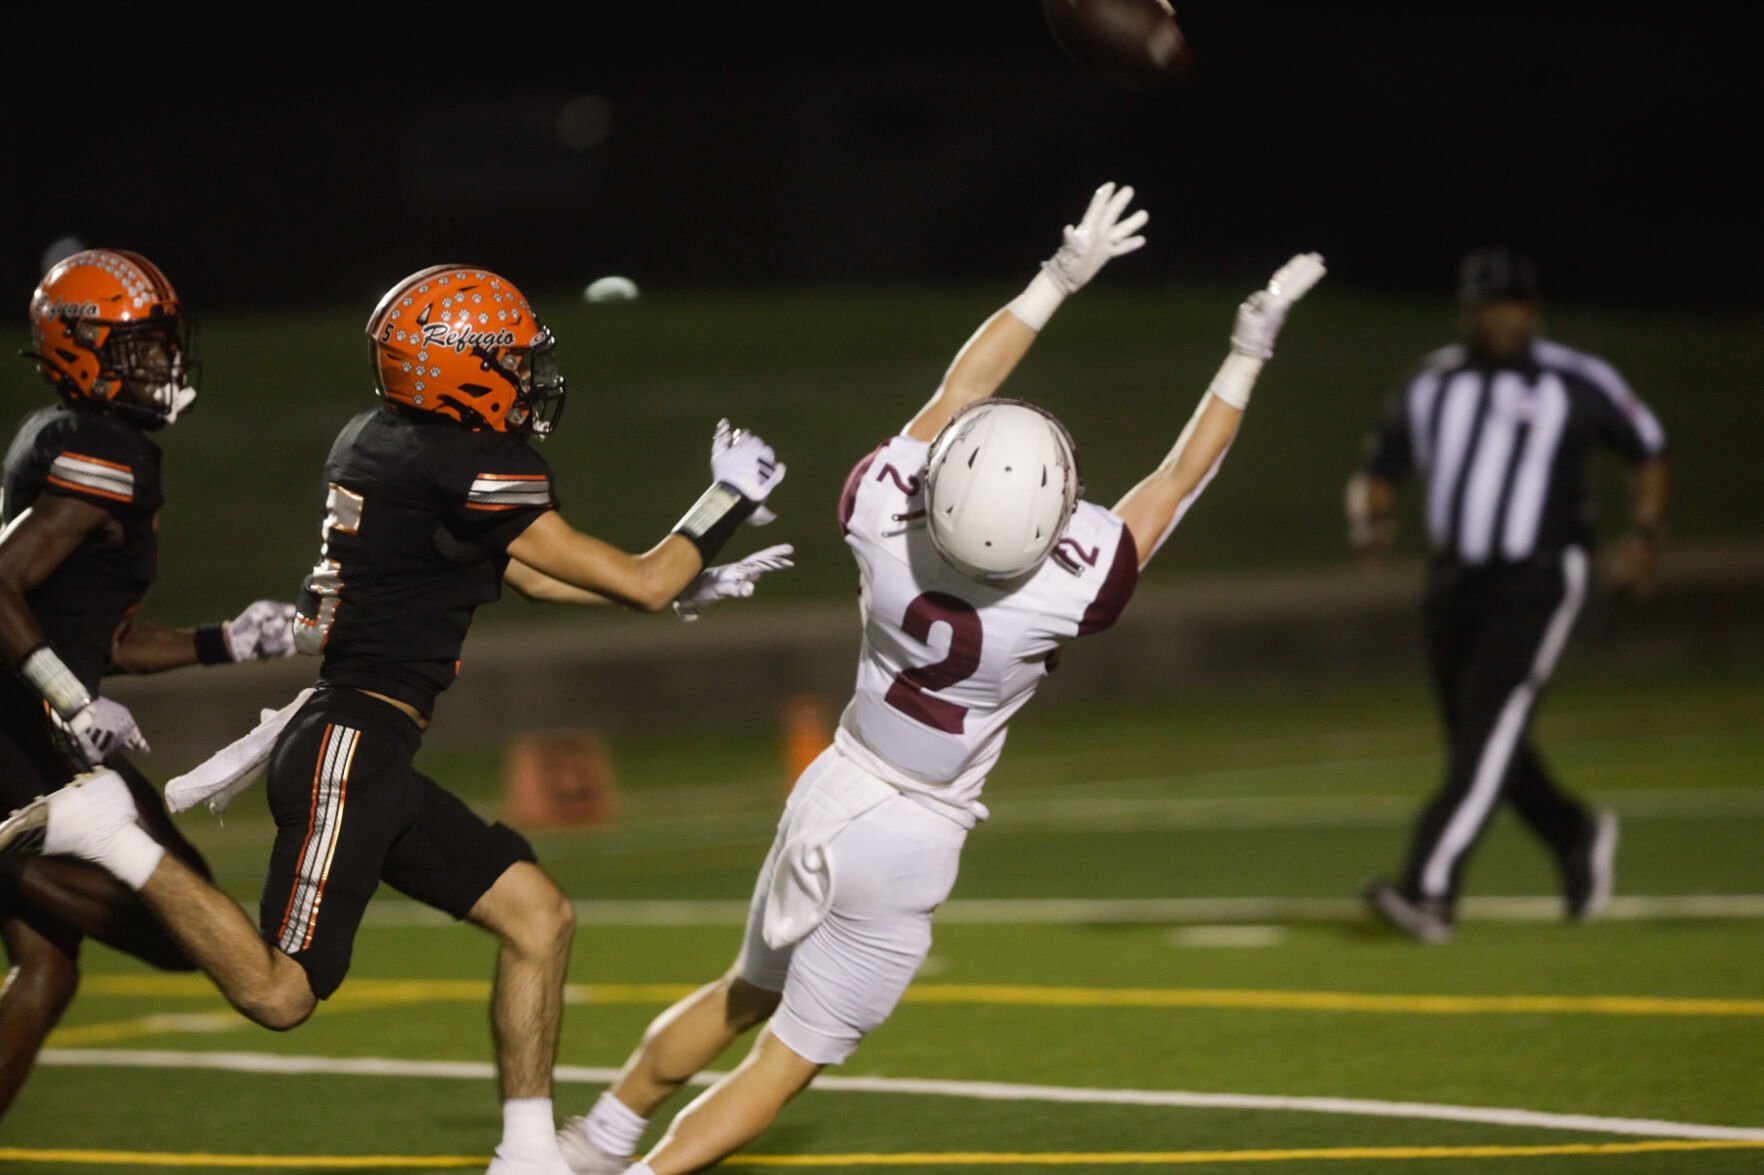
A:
x: 1001, y: 483
x: 1422, y: 919
x: 583, y: 1156
x: 22, y: 834
x: 107, y: 328
x: 505, y: 1163
x: 1591, y: 867
x: 463, y: 343
x: 75, y: 820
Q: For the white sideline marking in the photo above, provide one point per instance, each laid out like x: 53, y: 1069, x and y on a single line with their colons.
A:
x: 1228, y: 936
x: 975, y: 1090
x: 1087, y: 911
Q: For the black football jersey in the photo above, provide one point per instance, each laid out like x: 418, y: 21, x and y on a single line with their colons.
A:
x: 105, y: 460
x: 419, y: 513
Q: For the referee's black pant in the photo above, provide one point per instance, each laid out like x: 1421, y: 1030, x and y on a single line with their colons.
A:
x: 1494, y: 633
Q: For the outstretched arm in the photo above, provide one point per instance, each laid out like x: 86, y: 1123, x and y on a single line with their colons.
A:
x: 560, y: 564
x: 987, y: 359
x: 1152, y: 508
x: 554, y: 562
x: 263, y: 631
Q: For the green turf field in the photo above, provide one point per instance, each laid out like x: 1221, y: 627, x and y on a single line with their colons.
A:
x: 1216, y: 845
x: 826, y: 375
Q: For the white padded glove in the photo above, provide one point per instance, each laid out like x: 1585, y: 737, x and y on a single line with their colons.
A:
x: 1262, y: 313
x: 262, y: 631
x: 731, y: 581
x: 100, y: 727
x: 1100, y: 236
x: 745, y: 463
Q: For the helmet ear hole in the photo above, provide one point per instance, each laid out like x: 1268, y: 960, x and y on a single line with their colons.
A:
x: 1000, y: 485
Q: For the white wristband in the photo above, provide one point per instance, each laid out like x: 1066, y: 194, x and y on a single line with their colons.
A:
x: 1036, y: 304
x: 1236, y: 379
x: 55, y: 681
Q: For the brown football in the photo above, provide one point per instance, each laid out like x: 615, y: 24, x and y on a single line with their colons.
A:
x: 1131, y: 43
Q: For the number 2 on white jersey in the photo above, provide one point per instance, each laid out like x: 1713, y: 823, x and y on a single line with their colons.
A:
x: 907, y: 693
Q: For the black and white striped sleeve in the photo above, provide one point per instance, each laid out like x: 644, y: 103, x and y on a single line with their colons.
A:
x: 1620, y: 418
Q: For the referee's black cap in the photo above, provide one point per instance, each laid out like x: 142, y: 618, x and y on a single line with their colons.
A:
x: 1498, y: 274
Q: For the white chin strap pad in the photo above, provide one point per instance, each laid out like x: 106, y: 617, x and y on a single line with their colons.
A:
x: 173, y: 399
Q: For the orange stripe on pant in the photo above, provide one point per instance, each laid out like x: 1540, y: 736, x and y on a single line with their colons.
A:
x: 323, y: 821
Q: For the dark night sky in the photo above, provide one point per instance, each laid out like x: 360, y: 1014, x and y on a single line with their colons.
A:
x: 697, y: 144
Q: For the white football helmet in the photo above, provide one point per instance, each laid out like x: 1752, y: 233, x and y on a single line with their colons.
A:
x: 1001, y: 483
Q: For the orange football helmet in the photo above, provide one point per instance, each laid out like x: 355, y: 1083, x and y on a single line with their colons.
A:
x: 107, y: 328
x: 464, y: 343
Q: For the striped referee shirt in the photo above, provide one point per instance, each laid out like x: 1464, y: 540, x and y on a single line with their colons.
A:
x: 1502, y: 448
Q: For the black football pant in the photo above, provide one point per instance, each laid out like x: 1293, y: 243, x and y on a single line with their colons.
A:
x: 1494, y: 634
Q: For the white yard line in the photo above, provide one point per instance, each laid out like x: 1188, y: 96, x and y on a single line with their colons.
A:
x: 268, y: 1063
x: 1151, y: 911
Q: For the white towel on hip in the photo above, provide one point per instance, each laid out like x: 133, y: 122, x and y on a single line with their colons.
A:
x: 233, y: 768
x: 801, y: 892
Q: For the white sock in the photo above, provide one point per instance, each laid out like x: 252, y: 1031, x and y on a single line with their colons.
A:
x: 131, y: 855
x: 527, y: 1125
x: 639, y: 1169
x: 94, y: 819
x: 614, y: 1127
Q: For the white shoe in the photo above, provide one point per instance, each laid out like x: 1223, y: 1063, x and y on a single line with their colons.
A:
x: 547, y: 1162
x: 583, y: 1156
x: 77, y: 821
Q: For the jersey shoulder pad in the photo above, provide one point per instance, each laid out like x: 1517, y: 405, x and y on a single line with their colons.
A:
x: 493, y: 473
x: 1099, y: 560
x: 97, y: 457
x: 886, y: 489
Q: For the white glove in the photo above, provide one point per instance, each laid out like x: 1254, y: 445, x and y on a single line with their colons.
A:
x: 1102, y: 234
x: 731, y: 581
x: 1260, y: 316
x: 100, y: 727
x: 744, y: 462
x: 262, y: 631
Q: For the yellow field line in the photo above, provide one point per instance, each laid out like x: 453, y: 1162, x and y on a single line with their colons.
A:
x: 926, y: 1159
x: 156, y: 1025
x: 374, y: 993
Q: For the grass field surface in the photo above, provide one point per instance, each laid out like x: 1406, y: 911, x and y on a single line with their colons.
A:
x: 826, y: 375
x: 1152, y: 960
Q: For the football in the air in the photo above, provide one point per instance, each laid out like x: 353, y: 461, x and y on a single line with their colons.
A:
x: 1135, y: 44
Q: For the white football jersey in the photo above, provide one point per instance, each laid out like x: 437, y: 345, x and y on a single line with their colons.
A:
x: 946, y: 659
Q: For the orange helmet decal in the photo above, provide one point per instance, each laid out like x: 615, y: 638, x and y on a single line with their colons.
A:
x: 463, y: 343
x: 107, y: 321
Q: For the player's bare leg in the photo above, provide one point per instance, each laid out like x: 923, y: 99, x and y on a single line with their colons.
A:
x: 92, y: 902
x: 734, y: 1111
x: 45, y: 973
x: 94, y: 818
x: 264, y: 984
x: 531, y: 916
x: 678, y: 1044
x: 685, y: 1039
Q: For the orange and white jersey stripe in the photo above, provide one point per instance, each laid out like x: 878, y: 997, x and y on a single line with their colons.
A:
x: 330, y: 790
x: 505, y: 491
x: 92, y: 475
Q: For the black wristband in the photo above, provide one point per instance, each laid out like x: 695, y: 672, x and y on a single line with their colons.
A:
x: 713, y: 518
x: 211, y: 645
